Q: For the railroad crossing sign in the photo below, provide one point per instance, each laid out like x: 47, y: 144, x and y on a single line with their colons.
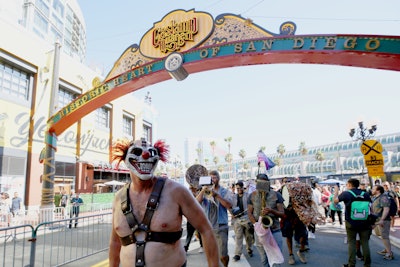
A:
x: 373, y: 157
x: 371, y: 146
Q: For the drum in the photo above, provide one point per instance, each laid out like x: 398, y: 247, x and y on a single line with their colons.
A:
x: 193, y: 174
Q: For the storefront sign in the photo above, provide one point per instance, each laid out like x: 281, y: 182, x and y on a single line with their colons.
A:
x: 89, y: 141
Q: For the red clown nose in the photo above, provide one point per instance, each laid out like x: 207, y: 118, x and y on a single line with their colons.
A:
x: 145, y: 155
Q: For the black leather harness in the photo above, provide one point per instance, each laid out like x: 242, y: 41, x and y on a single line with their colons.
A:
x: 152, y: 204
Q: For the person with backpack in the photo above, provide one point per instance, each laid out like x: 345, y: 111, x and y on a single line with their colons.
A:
x: 381, y: 208
x: 357, y: 206
x: 394, y: 203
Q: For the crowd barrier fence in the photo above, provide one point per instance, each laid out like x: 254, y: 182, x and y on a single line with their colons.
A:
x: 28, y: 242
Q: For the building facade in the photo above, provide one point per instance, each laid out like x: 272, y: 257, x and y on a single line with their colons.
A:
x: 340, y: 160
x: 34, y: 80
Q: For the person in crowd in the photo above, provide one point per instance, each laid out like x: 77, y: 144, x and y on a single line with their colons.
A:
x: 354, y: 227
x: 397, y: 192
x: 284, y: 181
x: 318, y: 201
x: 242, y: 226
x: 76, y: 202
x: 363, y: 187
x: 190, y: 229
x: 273, y: 208
x: 392, y: 194
x: 148, y: 211
x: 335, y: 208
x: 63, y: 200
x: 5, y: 208
x: 233, y: 188
x: 380, y: 207
x: 251, y: 186
x: 16, y: 204
x: 325, y: 200
x: 293, y: 228
x: 223, y: 199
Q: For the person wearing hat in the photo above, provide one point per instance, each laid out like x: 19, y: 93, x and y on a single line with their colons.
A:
x: 264, y: 202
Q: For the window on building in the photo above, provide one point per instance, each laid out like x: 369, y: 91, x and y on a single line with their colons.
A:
x: 65, y: 172
x: 41, y: 24
x: 147, y: 132
x: 128, y: 126
x: 57, y: 22
x: 58, y: 7
x: 14, y: 83
x: 103, y: 117
x: 11, y: 166
x: 43, y: 6
x: 65, y: 97
x: 65, y: 169
x: 55, y: 35
x: 66, y: 94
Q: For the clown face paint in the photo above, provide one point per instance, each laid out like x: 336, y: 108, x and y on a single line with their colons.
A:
x: 142, y: 159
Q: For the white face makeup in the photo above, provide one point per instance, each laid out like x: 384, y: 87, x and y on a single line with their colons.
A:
x: 142, y: 159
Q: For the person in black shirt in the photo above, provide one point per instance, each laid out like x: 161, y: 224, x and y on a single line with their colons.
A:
x: 353, y: 227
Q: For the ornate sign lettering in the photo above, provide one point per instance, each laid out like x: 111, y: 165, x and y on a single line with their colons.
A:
x: 178, y: 31
x: 174, y: 36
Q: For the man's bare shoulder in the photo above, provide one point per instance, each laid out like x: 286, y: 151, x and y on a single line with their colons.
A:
x: 176, y: 187
x: 121, y: 194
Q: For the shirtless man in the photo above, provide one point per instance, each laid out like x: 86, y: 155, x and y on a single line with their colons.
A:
x: 175, y: 201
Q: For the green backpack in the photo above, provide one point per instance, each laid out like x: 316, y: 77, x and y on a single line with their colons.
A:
x: 359, y: 207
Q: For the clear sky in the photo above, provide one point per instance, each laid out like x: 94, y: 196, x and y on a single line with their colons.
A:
x: 264, y: 105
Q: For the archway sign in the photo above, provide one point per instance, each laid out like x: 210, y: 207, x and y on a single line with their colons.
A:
x: 186, y: 42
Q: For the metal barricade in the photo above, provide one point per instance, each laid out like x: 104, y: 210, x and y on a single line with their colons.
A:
x: 55, y: 243
x: 15, y: 246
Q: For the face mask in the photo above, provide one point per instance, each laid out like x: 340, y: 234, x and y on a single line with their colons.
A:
x: 142, y: 159
x: 263, y: 185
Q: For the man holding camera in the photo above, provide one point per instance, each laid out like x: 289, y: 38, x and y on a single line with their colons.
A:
x: 222, y: 198
x: 241, y: 223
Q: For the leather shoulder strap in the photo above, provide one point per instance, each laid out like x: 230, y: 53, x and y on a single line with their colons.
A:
x: 153, y: 201
x: 123, y: 194
x: 127, y: 208
x: 152, y: 204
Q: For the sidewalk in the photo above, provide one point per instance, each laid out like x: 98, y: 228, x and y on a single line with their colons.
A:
x: 395, y: 235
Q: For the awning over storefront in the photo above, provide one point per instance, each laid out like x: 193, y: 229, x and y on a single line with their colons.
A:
x: 107, y: 167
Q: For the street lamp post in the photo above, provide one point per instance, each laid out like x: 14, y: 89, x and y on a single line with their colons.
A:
x: 363, y: 133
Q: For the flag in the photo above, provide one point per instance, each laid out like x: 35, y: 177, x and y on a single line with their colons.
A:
x: 269, y: 164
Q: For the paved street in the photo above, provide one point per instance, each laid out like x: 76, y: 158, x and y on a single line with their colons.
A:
x: 328, y: 250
